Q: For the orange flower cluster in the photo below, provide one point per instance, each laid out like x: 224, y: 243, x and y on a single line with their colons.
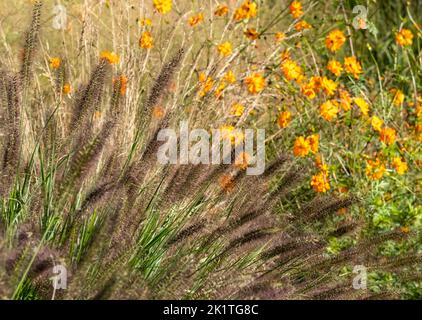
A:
x: 296, y: 9
x: 375, y: 169
x: 255, y: 83
x: 247, y: 10
x: 302, y: 146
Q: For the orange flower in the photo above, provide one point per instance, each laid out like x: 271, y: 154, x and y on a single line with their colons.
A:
x: 313, y: 141
x: 376, y: 123
x: 353, y: 66
x: 320, y: 182
x: 145, y: 22
x: 146, y: 41
x: 301, y: 147
x: 221, y: 10
x: 67, y: 88
x: 308, y: 90
x: 219, y: 91
x: 334, y: 67
x: 399, y: 165
x: 296, y: 9
x: 111, y: 57
x: 335, y: 40
x: 280, y: 36
x: 237, y: 109
x: 232, y: 134
x: 255, y: 83
x: 247, y: 10
x: 55, y: 63
x: 320, y: 164
x: 196, y: 19
x: 345, y: 100
x: 374, y: 169
x: 292, y: 71
x: 251, y: 34
x: 363, y: 106
x: 316, y: 83
x: 207, y: 84
x: 329, y: 109
x: 329, y: 86
x: 230, y: 77
x: 284, y: 119
x: 163, y: 6
x: 225, y: 49
x: 388, y: 135
x: 398, y: 97
x: 302, y: 25
x: 404, y: 37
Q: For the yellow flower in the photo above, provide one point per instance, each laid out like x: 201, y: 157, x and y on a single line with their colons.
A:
x: 329, y: 109
x: 345, y: 100
x: 376, y: 123
x: 308, y: 90
x: 334, y: 67
x: 230, y: 77
x: 329, y: 86
x: 292, y: 71
x: 313, y: 141
x: 207, y: 85
x: 404, y: 37
x: 111, y: 57
x: 284, y: 119
x: 221, y: 10
x: 237, y: 109
x: 145, y: 22
x: 320, y: 164
x: 251, y: 34
x: 363, y: 106
x: 67, y: 88
x: 316, y: 83
x: 146, y: 41
x: 296, y: 9
x: 399, y: 165
x: 398, y: 97
x: 388, y: 135
x: 220, y: 89
x: 230, y: 133
x: 196, y: 19
x: 247, y: 10
x: 162, y: 6
x: 255, y: 83
x: 301, y: 147
x: 353, y: 66
x: 335, y: 40
x: 302, y: 25
x: 55, y: 63
x: 280, y: 36
x: 202, y: 77
x: 320, y: 182
x: 225, y: 49
x: 374, y: 169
